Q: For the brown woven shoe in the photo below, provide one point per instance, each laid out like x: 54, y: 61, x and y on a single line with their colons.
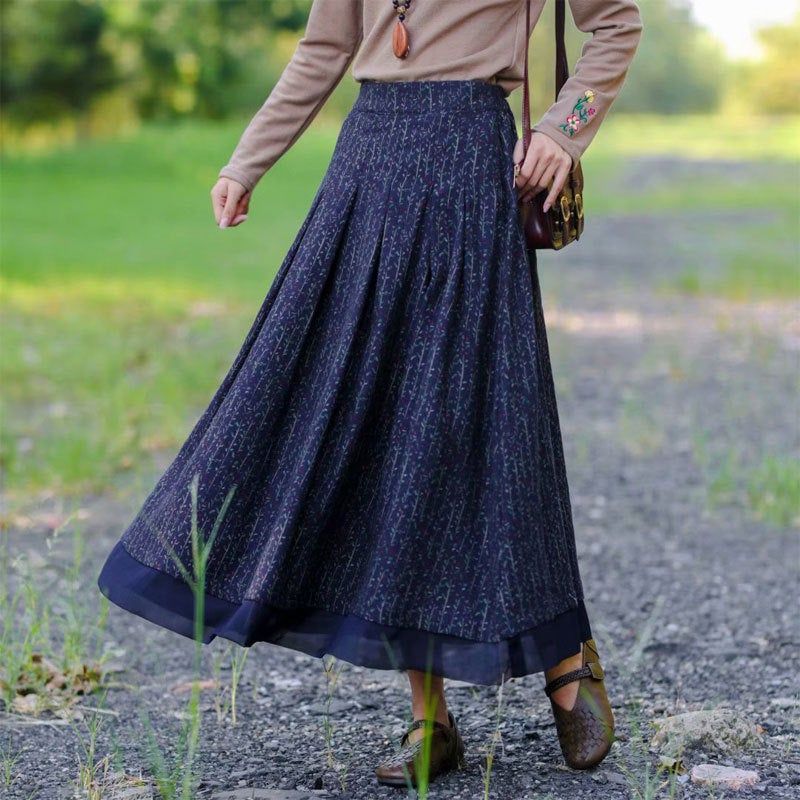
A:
x: 446, y: 753
x: 586, y: 732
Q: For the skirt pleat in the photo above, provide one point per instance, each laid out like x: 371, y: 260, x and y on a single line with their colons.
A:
x: 388, y: 429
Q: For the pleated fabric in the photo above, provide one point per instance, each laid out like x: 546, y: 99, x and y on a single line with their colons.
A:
x: 389, y: 428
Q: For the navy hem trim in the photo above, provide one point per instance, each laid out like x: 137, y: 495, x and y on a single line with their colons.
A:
x: 168, y: 602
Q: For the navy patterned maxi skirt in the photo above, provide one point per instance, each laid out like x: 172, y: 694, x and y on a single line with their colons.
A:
x: 389, y: 427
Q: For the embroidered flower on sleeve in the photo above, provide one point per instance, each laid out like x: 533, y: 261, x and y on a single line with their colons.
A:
x: 581, y: 113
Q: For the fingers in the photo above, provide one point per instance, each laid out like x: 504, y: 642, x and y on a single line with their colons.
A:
x: 218, y: 194
x: 540, y: 178
x: 518, y: 151
x: 526, y: 168
x: 242, y: 210
x: 535, y: 183
x: 230, y: 202
x: 546, y: 167
x: 559, y: 181
x: 546, y: 181
x: 229, y: 209
x: 530, y: 180
x: 541, y: 172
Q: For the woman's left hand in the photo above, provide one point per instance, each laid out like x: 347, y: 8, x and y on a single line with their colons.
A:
x: 546, y: 167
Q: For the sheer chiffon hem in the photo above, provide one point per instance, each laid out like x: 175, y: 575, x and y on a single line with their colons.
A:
x: 166, y: 601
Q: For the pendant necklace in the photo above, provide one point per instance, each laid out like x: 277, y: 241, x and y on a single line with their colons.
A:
x: 400, y: 33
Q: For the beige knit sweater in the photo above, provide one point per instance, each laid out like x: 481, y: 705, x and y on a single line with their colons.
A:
x: 450, y: 39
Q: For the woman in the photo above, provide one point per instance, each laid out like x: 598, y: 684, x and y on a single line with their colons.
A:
x: 380, y: 474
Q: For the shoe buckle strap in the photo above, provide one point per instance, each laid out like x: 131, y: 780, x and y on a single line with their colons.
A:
x: 590, y: 670
x: 421, y: 723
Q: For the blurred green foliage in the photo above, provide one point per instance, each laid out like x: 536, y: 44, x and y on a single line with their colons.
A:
x: 53, y: 59
x: 774, y: 83
x: 678, y: 67
x: 167, y: 59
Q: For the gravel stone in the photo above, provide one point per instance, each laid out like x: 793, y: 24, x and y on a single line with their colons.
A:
x: 723, y: 731
x: 668, y: 403
x: 723, y: 777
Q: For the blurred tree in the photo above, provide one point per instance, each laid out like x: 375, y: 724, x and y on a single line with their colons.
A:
x: 278, y: 14
x: 212, y: 58
x: 173, y: 57
x: 542, y: 55
x: 52, y: 58
x: 678, y: 68
x: 193, y: 58
x: 774, y: 81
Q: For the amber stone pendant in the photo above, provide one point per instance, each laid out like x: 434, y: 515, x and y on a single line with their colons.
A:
x: 400, y: 40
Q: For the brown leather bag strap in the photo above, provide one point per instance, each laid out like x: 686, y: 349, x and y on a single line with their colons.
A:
x: 562, y: 65
x: 526, y: 106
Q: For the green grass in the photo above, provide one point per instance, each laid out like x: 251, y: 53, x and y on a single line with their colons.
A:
x: 771, y: 145
x: 758, y: 245
x: 139, y: 209
x: 640, y: 432
x: 744, y: 276
x: 774, y: 490
x: 51, y: 642
x: 97, y: 374
x: 769, y: 488
x: 123, y: 304
x: 728, y: 136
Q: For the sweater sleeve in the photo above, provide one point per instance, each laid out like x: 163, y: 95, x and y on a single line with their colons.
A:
x: 332, y: 36
x: 587, y: 95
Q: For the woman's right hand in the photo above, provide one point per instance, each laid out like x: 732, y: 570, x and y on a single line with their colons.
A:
x: 230, y: 201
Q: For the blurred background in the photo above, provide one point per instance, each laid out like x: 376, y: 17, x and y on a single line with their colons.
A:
x: 117, y: 114
x: 674, y: 331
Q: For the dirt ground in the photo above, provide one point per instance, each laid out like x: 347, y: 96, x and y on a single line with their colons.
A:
x: 669, y: 405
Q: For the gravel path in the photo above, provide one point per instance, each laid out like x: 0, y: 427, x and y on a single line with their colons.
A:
x: 669, y: 406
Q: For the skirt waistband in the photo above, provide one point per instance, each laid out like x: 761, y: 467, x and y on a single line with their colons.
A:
x: 424, y: 96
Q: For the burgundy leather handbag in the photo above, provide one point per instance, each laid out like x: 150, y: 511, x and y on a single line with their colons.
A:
x: 563, y: 223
